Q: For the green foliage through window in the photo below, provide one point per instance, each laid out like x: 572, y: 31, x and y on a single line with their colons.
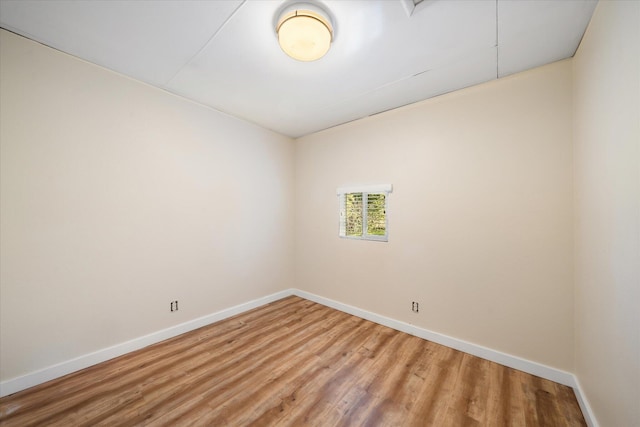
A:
x: 353, y: 212
x: 364, y: 216
x: 376, y: 215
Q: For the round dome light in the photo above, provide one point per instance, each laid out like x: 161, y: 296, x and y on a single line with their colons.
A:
x: 304, y: 34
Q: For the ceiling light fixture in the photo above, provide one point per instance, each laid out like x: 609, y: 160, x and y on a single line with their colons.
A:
x: 304, y: 32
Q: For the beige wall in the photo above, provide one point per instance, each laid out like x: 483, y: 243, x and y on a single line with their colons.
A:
x: 480, y: 218
x: 117, y: 198
x: 607, y: 203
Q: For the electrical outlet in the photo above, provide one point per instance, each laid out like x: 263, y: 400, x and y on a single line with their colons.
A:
x: 415, y: 306
x: 174, y: 306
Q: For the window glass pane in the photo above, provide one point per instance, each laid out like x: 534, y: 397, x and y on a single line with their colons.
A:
x: 376, y: 215
x: 353, y: 210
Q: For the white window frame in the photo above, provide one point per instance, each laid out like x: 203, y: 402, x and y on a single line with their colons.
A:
x: 365, y: 190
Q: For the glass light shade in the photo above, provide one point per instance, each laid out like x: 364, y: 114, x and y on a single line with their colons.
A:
x: 304, y: 35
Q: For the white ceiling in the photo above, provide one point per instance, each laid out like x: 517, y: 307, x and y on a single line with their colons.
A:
x: 385, y: 54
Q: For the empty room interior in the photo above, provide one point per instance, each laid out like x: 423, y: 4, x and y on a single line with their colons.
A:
x: 427, y: 215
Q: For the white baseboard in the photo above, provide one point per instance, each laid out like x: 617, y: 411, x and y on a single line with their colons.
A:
x: 29, y: 380
x: 587, y: 412
x: 52, y: 372
x: 515, y: 362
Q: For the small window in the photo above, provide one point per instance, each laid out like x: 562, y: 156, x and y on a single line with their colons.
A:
x: 363, y: 212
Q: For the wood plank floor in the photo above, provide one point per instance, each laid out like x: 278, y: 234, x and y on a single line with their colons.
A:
x: 289, y: 363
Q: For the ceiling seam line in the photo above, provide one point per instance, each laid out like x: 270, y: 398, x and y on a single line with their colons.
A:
x: 497, y: 47
x: 213, y: 36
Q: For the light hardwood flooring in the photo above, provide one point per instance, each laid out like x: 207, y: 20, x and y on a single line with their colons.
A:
x: 290, y: 363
